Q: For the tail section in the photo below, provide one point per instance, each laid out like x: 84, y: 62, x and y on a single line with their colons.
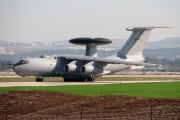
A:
x: 136, y: 42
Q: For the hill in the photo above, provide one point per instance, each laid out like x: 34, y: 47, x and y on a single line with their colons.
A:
x: 168, y: 48
x: 166, y: 43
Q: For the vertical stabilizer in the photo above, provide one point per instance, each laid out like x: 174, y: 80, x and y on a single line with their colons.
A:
x: 136, y: 42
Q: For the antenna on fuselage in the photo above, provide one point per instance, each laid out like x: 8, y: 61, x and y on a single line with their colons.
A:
x: 91, y: 44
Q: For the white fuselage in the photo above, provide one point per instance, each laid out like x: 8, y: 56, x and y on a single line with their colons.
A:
x: 55, y: 68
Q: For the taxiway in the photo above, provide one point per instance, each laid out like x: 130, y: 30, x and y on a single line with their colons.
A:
x: 10, y: 84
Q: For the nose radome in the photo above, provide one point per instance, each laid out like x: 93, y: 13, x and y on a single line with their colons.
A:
x: 15, y: 69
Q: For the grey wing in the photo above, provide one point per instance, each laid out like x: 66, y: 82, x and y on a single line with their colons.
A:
x: 105, y: 60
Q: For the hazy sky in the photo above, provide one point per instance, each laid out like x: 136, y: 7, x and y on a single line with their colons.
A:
x: 52, y: 20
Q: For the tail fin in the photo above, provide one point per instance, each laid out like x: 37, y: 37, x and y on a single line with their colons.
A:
x: 137, y: 40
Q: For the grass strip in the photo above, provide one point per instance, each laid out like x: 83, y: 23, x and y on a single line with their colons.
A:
x: 152, y: 90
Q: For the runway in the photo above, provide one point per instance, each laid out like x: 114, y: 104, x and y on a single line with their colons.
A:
x: 10, y: 84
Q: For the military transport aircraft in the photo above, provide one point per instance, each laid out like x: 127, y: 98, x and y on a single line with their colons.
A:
x: 88, y: 67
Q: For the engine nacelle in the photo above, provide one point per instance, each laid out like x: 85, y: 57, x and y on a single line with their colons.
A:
x: 90, y: 69
x: 71, y: 68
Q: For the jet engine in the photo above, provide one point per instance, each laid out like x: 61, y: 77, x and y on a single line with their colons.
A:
x: 71, y: 68
x: 90, y: 69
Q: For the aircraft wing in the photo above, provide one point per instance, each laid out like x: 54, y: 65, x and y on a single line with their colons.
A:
x: 105, y: 60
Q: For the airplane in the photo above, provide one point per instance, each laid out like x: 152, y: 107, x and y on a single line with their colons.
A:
x: 89, y: 66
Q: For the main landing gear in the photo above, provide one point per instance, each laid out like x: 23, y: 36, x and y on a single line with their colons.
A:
x: 86, y: 79
x: 39, y: 79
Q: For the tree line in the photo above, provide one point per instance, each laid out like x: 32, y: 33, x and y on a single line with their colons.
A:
x: 168, y: 65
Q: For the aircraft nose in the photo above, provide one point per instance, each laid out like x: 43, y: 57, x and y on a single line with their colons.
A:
x: 16, y: 70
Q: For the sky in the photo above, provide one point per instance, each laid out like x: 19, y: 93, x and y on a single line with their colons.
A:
x: 53, y: 20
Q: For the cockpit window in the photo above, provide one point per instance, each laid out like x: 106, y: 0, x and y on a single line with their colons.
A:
x: 25, y: 62
x: 22, y: 62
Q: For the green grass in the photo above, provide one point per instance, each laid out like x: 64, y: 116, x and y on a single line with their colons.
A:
x: 155, y: 90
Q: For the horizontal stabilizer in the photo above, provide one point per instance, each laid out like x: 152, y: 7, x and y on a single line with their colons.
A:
x: 146, y: 28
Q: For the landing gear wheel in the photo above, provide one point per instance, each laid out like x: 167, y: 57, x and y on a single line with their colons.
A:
x: 39, y: 79
x: 90, y: 79
x: 66, y: 80
x: 85, y: 79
